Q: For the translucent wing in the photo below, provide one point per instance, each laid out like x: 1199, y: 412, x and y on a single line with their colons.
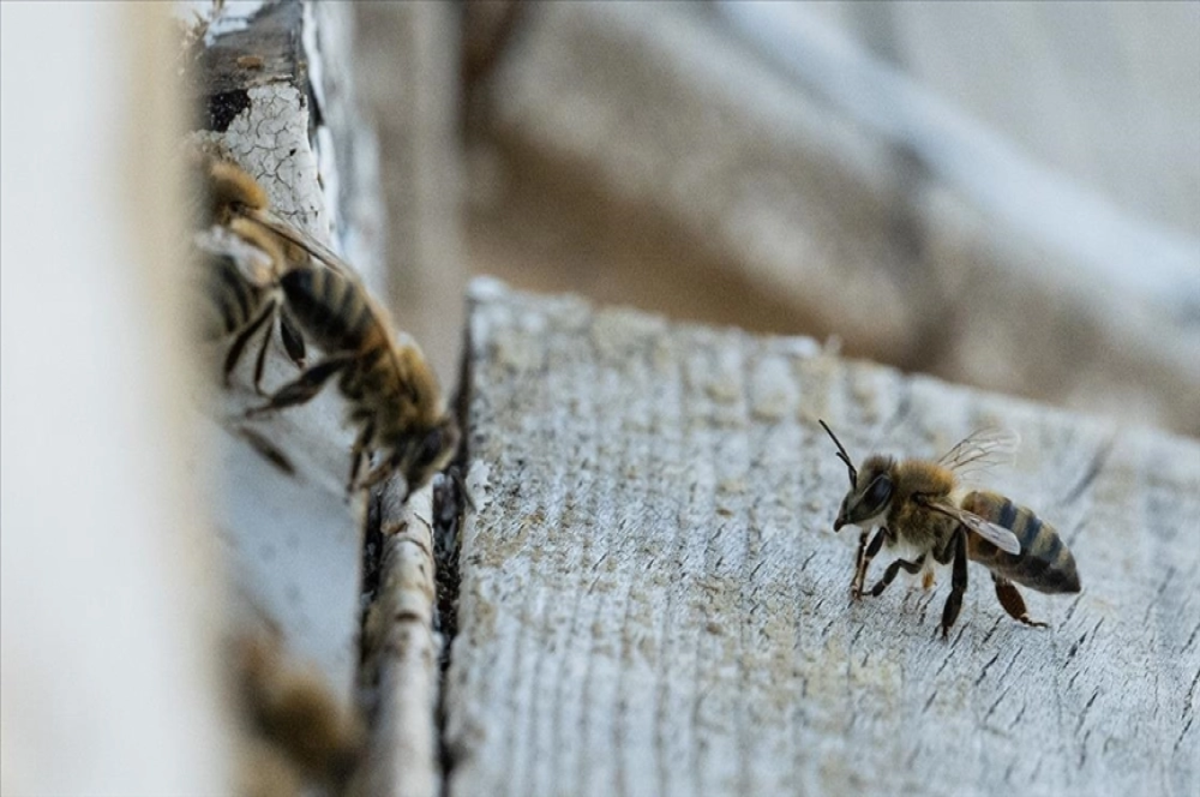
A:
x: 999, y: 536
x: 293, y: 235
x: 981, y: 449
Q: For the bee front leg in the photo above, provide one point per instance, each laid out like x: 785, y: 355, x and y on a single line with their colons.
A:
x: 958, y: 583
x: 865, y: 554
x: 889, y: 575
x: 357, y: 452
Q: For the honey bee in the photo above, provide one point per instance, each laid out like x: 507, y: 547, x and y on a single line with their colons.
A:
x: 299, y: 731
x: 919, y: 504
x: 394, y: 395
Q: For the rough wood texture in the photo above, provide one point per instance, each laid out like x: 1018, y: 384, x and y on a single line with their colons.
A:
x: 402, y: 649
x: 653, y: 601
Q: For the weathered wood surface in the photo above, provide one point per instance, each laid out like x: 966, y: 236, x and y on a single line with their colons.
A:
x: 653, y: 602
x: 401, y: 652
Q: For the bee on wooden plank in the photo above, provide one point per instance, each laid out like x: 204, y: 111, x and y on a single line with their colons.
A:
x: 920, y: 505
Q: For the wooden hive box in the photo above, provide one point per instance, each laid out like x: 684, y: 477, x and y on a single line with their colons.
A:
x: 652, y: 600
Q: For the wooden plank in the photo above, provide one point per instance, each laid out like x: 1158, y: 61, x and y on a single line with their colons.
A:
x: 653, y: 602
x: 402, y: 652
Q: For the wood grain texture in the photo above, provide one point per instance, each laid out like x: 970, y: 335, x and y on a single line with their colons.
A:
x: 653, y: 600
x: 401, y: 665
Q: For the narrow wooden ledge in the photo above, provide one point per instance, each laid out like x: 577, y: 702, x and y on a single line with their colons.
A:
x: 653, y: 600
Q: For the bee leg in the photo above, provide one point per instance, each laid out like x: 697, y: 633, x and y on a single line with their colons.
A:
x: 357, y: 452
x: 243, y: 337
x: 1012, y: 602
x: 865, y: 554
x: 261, y: 360
x: 958, y: 583
x: 307, y: 385
x: 890, y: 574
x: 293, y: 341
x: 381, y: 472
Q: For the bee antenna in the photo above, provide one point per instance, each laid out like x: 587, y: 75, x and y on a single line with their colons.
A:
x: 842, y: 455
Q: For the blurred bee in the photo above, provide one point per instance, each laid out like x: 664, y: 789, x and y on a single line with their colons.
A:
x: 244, y: 256
x: 394, y: 395
x: 920, y: 505
x: 300, y: 733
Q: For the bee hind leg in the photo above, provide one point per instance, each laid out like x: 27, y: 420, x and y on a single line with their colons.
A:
x: 894, y: 568
x: 305, y: 386
x: 1013, y: 603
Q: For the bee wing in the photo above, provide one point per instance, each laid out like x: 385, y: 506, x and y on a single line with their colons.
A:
x: 294, y: 235
x: 981, y: 449
x: 999, y: 536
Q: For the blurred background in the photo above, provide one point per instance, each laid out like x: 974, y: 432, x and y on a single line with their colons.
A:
x: 1001, y: 194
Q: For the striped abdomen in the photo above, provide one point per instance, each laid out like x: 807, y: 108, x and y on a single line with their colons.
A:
x: 1045, y: 563
x: 332, y: 309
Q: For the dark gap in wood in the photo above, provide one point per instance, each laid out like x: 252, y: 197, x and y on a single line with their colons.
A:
x: 372, y: 565
x: 367, y: 695
x: 450, y: 505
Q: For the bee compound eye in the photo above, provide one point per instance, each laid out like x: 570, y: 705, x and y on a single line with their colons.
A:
x: 878, y: 493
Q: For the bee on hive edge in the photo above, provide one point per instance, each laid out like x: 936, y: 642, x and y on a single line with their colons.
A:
x: 394, y: 395
x: 243, y: 255
x: 920, y: 504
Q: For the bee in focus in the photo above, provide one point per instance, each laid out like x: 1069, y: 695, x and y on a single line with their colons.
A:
x: 919, y: 505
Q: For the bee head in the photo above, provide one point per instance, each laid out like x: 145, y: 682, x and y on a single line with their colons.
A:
x: 870, y: 491
x: 429, y: 452
x: 871, y: 494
